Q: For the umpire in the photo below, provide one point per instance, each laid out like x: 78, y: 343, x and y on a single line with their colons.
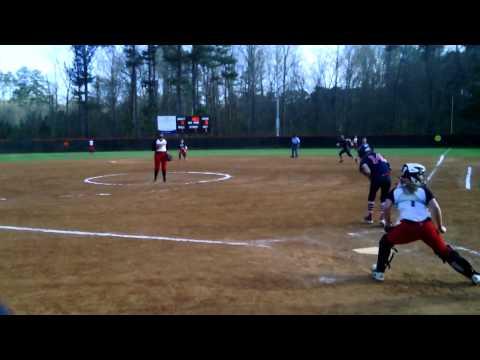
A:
x: 295, y: 146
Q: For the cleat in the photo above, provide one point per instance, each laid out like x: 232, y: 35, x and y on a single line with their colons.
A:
x: 377, y: 276
x: 383, y: 223
x: 368, y: 219
x: 476, y: 279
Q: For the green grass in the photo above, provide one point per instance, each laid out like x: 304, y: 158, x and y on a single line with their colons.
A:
x: 387, y: 152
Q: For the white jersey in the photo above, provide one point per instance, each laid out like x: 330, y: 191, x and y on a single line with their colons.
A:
x: 161, y: 145
x: 412, y: 206
x: 90, y: 143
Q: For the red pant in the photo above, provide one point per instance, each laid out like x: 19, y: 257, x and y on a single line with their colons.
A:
x: 407, y: 232
x: 160, y: 157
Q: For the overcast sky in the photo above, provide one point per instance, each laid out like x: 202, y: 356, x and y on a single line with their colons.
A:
x: 46, y: 58
x: 43, y: 57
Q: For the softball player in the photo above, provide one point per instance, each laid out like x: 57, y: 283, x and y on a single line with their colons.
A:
x: 161, y: 157
x: 377, y: 169
x: 416, y: 203
x: 91, y: 146
x: 345, y: 144
x: 182, y: 150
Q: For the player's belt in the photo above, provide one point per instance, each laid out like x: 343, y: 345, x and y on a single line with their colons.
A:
x: 416, y: 222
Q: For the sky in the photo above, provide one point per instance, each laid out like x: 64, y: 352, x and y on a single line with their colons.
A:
x: 49, y: 59
x: 43, y: 57
x: 39, y: 57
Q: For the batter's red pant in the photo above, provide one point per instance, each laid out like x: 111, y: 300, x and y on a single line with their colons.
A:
x: 407, y: 232
x: 160, y: 157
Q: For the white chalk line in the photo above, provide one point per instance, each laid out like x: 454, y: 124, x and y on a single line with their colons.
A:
x: 439, y: 162
x: 367, y: 250
x: 129, y: 236
x: 223, y: 177
x: 467, y: 178
x: 364, y: 232
x: 467, y: 250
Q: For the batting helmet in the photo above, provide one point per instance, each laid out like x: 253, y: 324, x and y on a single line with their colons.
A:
x: 414, y: 172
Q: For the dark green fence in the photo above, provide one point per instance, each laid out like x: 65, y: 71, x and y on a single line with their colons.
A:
x: 210, y: 142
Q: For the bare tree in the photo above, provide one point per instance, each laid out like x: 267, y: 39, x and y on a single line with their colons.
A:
x: 111, y: 64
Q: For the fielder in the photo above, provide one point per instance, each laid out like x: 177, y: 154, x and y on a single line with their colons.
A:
x: 415, y: 203
x: 182, y: 150
x: 377, y: 169
x: 161, y: 157
x: 91, y: 146
x: 345, y: 144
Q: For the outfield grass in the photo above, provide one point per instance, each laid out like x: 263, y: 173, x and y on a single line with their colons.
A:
x: 388, y: 152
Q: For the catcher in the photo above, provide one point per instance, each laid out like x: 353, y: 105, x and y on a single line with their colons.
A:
x: 416, y: 204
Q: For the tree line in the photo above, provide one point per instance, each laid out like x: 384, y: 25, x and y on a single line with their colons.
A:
x: 117, y: 91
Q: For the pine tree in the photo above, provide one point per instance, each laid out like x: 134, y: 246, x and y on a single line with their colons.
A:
x: 81, y: 75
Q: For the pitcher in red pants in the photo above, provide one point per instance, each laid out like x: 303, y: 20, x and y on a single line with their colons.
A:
x: 414, y: 202
x: 161, y: 157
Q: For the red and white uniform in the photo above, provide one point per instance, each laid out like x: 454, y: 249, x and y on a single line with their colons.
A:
x: 161, y: 154
x: 182, y: 148
x: 415, y: 219
x: 91, y: 146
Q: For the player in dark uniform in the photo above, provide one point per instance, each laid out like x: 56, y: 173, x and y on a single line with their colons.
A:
x: 414, y: 202
x: 363, y: 147
x: 377, y: 169
x: 355, y: 145
x: 345, y: 144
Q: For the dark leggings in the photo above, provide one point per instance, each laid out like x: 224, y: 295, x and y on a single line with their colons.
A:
x: 384, y: 184
x: 345, y: 151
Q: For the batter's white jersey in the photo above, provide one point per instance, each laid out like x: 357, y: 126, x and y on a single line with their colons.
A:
x: 412, y: 206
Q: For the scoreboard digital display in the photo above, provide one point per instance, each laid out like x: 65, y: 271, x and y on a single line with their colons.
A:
x: 193, y: 122
x: 204, y: 123
x: 184, y: 124
x: 181, y: 123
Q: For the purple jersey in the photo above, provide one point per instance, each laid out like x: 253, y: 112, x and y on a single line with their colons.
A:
x: 378, y: 165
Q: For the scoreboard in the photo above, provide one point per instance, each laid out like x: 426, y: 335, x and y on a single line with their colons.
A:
x: 193, y: 124
x: 204, y: 122
x: 181, y: 123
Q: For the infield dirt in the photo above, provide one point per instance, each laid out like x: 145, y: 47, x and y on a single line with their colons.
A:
x: 307, y: 211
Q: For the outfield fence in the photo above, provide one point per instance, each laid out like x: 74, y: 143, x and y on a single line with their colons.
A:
x: 210, y: 142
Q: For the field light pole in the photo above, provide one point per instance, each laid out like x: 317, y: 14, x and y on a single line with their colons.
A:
x: 277, y: 118
x: 451, y: 118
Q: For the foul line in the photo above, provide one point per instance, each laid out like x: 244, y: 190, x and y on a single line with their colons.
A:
x: 127, y: 236
x: 224, y: 177
x: 467, y: 179
x: 467, y: 250
x: 439, y: 162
